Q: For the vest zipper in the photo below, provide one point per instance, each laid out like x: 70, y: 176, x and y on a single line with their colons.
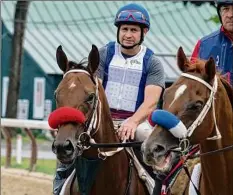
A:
x: 223, y: 56
x: 122, y: 85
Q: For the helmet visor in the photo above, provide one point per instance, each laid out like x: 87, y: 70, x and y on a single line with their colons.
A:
x: 135, y: 15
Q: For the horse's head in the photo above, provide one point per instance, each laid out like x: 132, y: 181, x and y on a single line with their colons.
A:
x: 76, y: 100
x: 192, y: 93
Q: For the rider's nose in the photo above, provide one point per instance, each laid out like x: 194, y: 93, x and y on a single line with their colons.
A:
x: 128, y: 34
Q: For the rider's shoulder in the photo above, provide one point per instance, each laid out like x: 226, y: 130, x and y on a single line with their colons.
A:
x: 106, y: 47
x: 210, y: 36
x: 111, y: 44
x: 154, y: 61
x: 152, y: 57
x: 103, y: 50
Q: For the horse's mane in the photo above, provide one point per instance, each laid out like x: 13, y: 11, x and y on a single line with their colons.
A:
x: 196, y: 66
x: 228, y: 87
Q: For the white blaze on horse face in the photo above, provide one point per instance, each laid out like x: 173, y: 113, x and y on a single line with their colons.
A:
x: 178, y: 93
x: 72, y: 85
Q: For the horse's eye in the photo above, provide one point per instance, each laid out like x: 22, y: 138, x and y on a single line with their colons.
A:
x: 90, y: 98
x: 55, y: 96
x: 199, y: 104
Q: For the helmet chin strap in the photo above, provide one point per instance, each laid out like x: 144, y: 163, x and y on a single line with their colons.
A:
x: 219, y: 14
x: 128, y: 47
x: 132, y: 46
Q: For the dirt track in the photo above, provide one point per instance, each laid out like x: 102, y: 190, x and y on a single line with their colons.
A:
x: 21, y: 182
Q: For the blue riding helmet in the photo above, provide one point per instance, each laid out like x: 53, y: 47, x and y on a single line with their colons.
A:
x: 132, y: 13
x: 220, y: 3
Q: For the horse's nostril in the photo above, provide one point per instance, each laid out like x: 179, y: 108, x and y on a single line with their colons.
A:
x: 68, y: 146
x: 158, y: 149
x: 67, y: 143
x: 54, y: 149
x: 65, y: 148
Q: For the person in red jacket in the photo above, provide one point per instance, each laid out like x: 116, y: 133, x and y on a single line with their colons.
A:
x: 219, y: 44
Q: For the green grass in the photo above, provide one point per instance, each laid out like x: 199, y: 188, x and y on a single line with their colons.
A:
x: 42, y: 165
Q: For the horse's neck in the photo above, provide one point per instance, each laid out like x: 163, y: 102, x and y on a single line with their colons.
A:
x: 217, y: 168
x: 115, y: 168
x: 106, y: 132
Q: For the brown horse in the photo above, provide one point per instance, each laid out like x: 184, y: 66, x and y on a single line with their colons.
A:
x: 83, y: 114
x: 200, y: 93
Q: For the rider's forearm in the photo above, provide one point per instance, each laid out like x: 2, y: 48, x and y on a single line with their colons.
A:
x: 152, y: 95
x: 143, y: 111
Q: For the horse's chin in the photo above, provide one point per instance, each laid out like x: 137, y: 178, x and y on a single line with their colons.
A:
x: 68, y: 159
x: 165, y: 163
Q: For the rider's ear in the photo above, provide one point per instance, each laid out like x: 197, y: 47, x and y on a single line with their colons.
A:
x: 93, y: 59
x: 61, y: 59
x: 210, y: 69
x: 145, y: 30
x: 182, y: 60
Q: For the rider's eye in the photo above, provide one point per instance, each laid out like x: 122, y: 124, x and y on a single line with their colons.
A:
x: 90, y: 98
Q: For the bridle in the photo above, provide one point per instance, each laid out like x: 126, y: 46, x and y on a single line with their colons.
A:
x: 191, y: 152
x: 92, y: 124
x: 209, y: 103
x: 91, y: 127
x: 202, y: 115
x: 184, y: 144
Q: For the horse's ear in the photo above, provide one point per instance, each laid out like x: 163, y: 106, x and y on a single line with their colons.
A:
x: 210, y: 69
x: 93, y: 59
x: 62, y: 60
x: 182, y: 60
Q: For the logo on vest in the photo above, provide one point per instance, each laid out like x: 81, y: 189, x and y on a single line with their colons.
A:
x: 134, y: 62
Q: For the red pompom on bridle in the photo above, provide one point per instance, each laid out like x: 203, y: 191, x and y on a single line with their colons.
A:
x: 64, y: 115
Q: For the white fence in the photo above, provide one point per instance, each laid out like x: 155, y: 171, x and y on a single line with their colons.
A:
x: 28, y: 126
x: 20, y: 123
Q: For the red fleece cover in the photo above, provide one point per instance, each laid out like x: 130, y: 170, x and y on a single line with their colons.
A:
x: 150, y: 121
x: 64, y: 115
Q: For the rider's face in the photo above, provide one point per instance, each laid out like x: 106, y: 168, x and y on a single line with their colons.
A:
x: 227, y: 17
x: 129, y: 34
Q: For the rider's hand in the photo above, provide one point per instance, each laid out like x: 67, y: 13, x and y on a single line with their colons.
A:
x: 127, y: 129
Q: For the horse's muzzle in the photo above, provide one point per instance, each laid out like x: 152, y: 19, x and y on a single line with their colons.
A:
x: 64, y: 151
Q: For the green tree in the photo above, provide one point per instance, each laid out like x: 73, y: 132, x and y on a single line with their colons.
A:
x: 21, y: 11
x: 199, y: 3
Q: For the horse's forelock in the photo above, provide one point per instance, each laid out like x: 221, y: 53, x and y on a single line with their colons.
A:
x: 196, y: 66
x: 81, y: 65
